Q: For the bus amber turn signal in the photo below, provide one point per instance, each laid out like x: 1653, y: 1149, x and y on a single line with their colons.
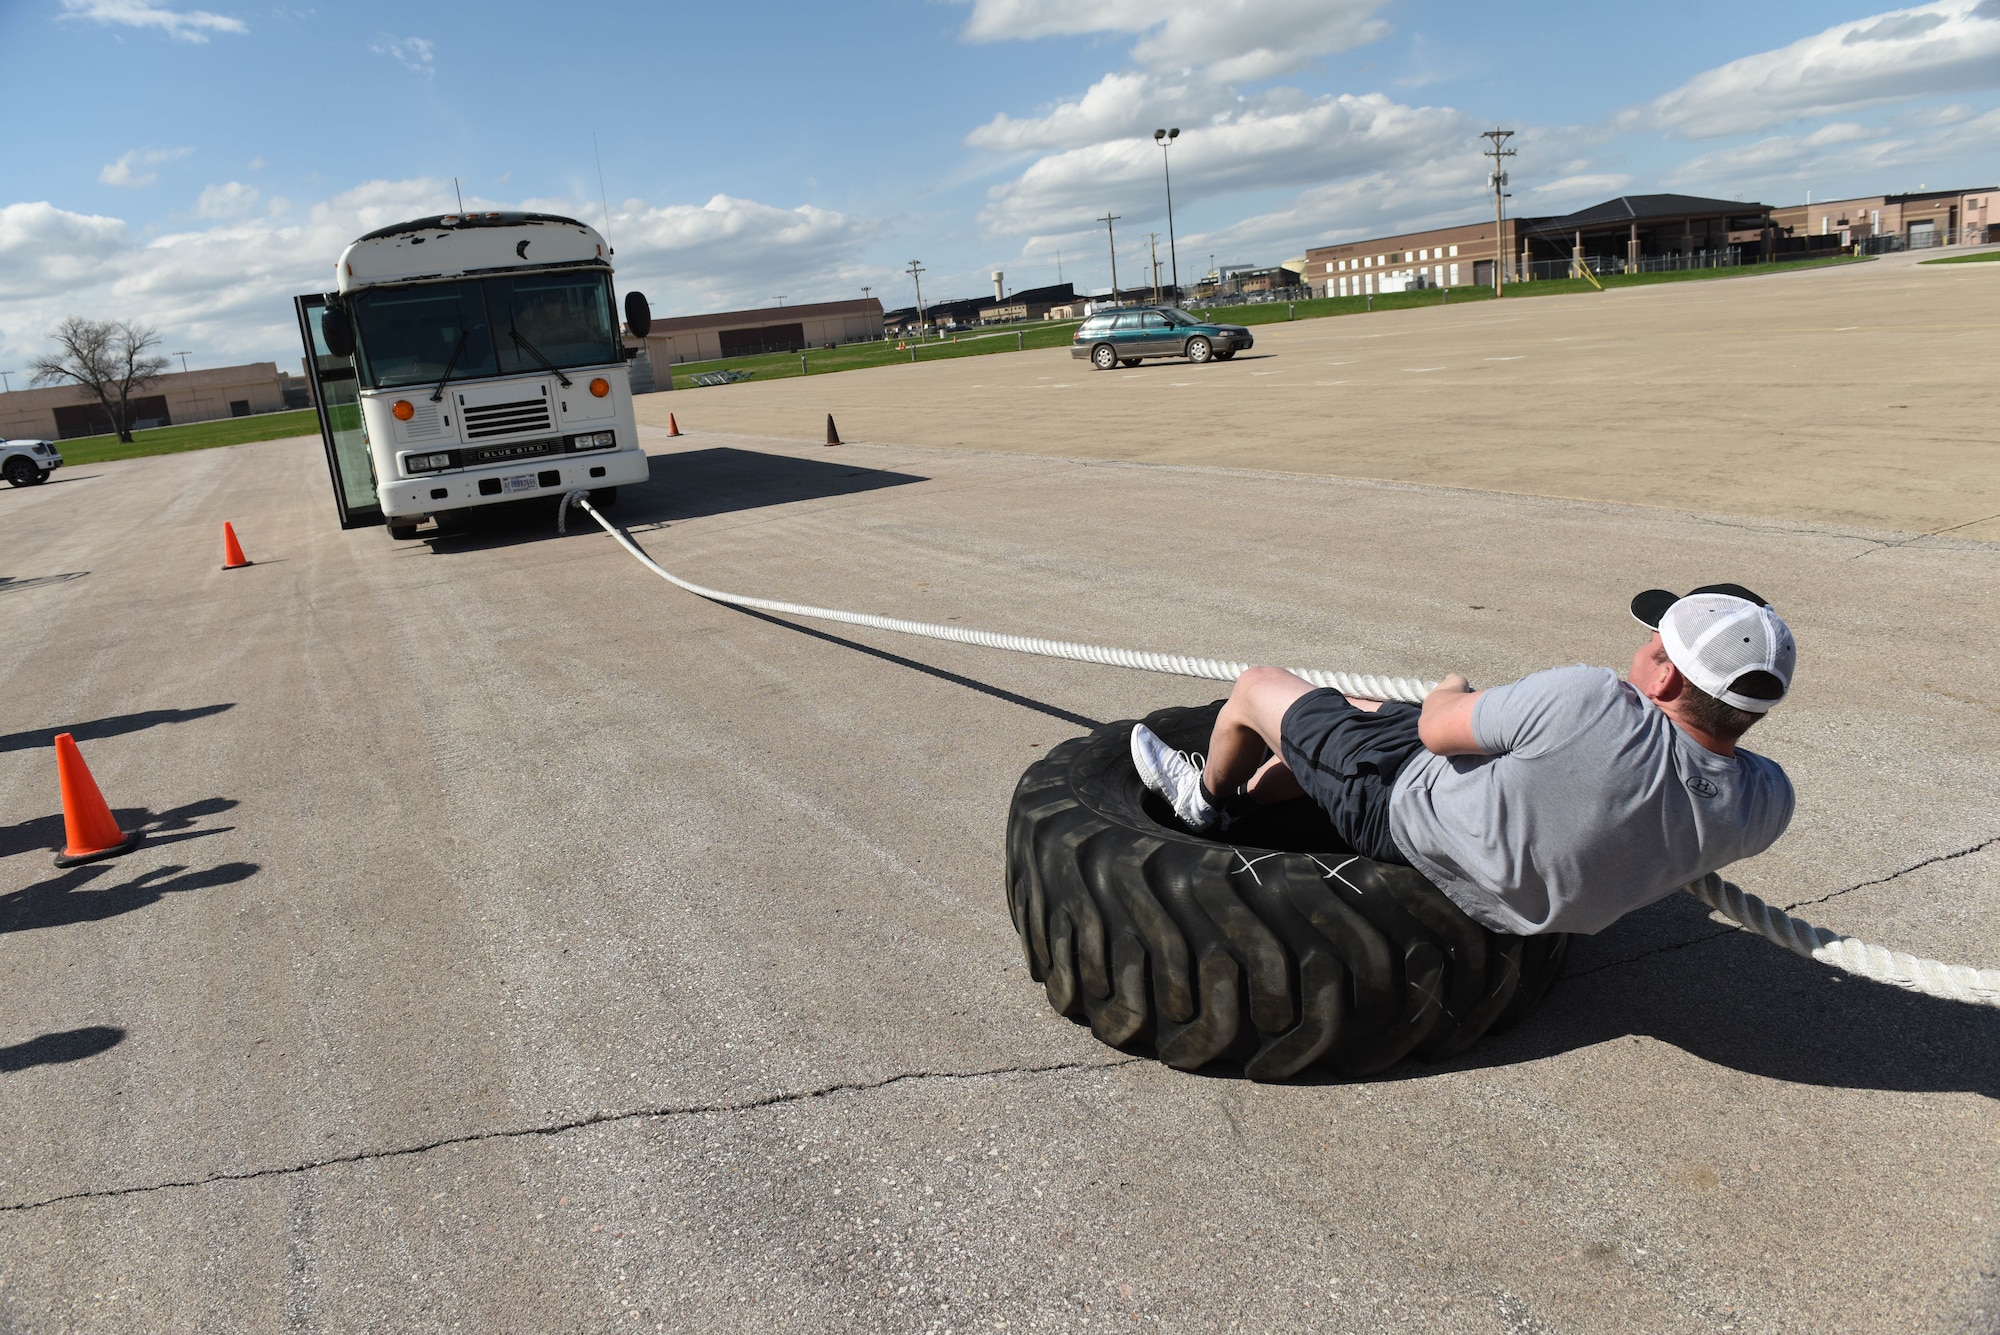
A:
x: 600, y: 387
x: 403, y: 410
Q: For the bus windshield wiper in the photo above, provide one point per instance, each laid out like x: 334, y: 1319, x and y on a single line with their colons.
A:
x: 535, y: 352
x: 451, y: 365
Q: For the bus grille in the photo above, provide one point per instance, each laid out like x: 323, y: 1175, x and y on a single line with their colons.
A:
x: 506, y: 419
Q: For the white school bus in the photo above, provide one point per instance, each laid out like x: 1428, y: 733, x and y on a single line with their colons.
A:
x: 471, y: 359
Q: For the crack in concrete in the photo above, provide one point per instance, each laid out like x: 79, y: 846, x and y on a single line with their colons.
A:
x: 1722, y: 932
x: 560, y: 1128
x: 1919, y: 537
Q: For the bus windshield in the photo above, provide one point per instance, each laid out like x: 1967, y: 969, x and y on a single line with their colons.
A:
x: 407, y: 335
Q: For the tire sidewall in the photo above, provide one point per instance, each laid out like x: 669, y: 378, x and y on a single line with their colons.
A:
x: 1199, y: 349
x: 1104, y: 357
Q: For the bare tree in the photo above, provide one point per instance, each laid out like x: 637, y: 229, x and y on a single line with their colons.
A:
x: 108, y: 360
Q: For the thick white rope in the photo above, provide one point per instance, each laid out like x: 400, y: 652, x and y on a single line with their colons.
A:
x: 1366, y: 686
x: 1952, y: 982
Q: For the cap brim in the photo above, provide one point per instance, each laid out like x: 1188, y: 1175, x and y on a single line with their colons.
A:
x: 1650, y: 606
x: 1734, y: 591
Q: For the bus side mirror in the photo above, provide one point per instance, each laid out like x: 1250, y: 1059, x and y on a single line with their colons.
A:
x: 337, y: 331
x: 638, y: 315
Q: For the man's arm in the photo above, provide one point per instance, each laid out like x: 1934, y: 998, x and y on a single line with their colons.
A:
x: 1445, y: 727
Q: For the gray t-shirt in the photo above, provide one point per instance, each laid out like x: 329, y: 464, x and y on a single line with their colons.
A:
x: 1592, y: 804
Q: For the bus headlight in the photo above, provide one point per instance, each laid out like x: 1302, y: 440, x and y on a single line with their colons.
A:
x: 591, y: 440
x: 428, y: 463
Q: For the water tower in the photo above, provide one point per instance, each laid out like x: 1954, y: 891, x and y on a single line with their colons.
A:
x: 999, y: 286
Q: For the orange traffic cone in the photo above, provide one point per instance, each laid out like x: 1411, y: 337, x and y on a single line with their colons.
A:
x: 232, y: 550
x: 832, y: 436
x: 673, y: 427
x: 88, y: 825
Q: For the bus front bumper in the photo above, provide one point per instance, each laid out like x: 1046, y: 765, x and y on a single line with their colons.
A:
x: 413, y: 498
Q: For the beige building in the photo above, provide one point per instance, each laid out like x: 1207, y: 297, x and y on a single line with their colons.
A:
x: 701, y: 338
x: 1923, y: 219
x: 60, y: 412
x: 1439, y: 257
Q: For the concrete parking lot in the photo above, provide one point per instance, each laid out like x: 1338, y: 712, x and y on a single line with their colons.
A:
x: 523, y: 945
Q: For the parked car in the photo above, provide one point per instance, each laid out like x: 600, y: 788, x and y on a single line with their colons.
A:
x: 1130, y: 334
x: 28, y: 463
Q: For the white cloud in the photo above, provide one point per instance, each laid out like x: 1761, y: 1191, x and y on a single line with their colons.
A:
x: 413, y: 53
x: 1277, y: 139
x: 730, y: 252
x: 1230, y: 39
x: 231, y: 199
x: 225, y: 286
x: 1948, y: 47
x: 1891, y: 157
x: 1601, y: 184
x: 192, y: 25
x: 45, y: 250
x: 1117, y: 106
x: 124, y: 171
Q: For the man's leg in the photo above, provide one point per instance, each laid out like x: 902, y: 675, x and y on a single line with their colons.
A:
x: 1244, y: 749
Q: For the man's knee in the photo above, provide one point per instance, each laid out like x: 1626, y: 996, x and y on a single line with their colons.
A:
x: 1261, y: 697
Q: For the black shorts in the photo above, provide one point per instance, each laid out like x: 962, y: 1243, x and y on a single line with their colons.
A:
x: 1347, y: 760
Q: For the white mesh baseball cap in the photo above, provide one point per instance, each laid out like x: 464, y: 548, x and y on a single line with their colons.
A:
x: 1726, y: 640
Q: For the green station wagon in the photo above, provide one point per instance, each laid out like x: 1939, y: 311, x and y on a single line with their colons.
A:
x: 1129, y: 335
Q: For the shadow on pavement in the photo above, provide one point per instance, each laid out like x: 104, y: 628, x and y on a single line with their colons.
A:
x: 8, y: 584
x: 956, y: 679
x: 71, y: 1045
x: 115, y: 726
x: 69, y: 898
x: 683, y: 486
x: 1738, y: 1001
x: 45, y: 833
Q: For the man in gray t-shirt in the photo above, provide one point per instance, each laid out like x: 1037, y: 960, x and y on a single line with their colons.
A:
x: 1556, y: 803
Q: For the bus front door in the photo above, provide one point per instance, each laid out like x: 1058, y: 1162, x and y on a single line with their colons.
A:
x: 337, y: 395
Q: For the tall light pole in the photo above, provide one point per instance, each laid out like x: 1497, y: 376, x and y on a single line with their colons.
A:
x: 865, y: 291
x: 916, y: 269
x: 1498, y: 180
x: 1165, y: 139
x: 1109, y: 218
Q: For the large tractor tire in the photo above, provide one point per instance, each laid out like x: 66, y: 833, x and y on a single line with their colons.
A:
x: 1277, y: 951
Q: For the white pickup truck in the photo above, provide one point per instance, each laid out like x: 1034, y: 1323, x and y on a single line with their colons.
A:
x: 27, y: 463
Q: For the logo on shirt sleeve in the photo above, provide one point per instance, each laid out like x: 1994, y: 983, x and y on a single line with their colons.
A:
x: 1703, y: 785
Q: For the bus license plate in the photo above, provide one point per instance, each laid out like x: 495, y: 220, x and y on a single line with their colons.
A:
x: 523, y: 482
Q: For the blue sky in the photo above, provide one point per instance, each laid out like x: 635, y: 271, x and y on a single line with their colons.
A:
x: 193, y: 165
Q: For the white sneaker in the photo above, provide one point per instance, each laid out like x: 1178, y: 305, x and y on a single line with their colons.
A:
x: 1174, y: 775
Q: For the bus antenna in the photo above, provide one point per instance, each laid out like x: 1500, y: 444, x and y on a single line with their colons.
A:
x: 603, y: 198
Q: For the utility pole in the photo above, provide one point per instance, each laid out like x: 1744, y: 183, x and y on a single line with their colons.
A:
x: 1153, y: 242
x: 781, y: 302
x: 865, y: 291
x: 916, y: 269
x: 1107, y: 220
x: 184, y: 360
x: 8, y: 383
x: 1498, y: 180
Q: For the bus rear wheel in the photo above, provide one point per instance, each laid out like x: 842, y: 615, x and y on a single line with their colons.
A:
x: 604, y: 498
x: 402, y: 532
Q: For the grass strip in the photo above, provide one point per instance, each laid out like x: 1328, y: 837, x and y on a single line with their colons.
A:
x: 979, y: 342
x: 1983, y: 257
x: 194, y: 436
